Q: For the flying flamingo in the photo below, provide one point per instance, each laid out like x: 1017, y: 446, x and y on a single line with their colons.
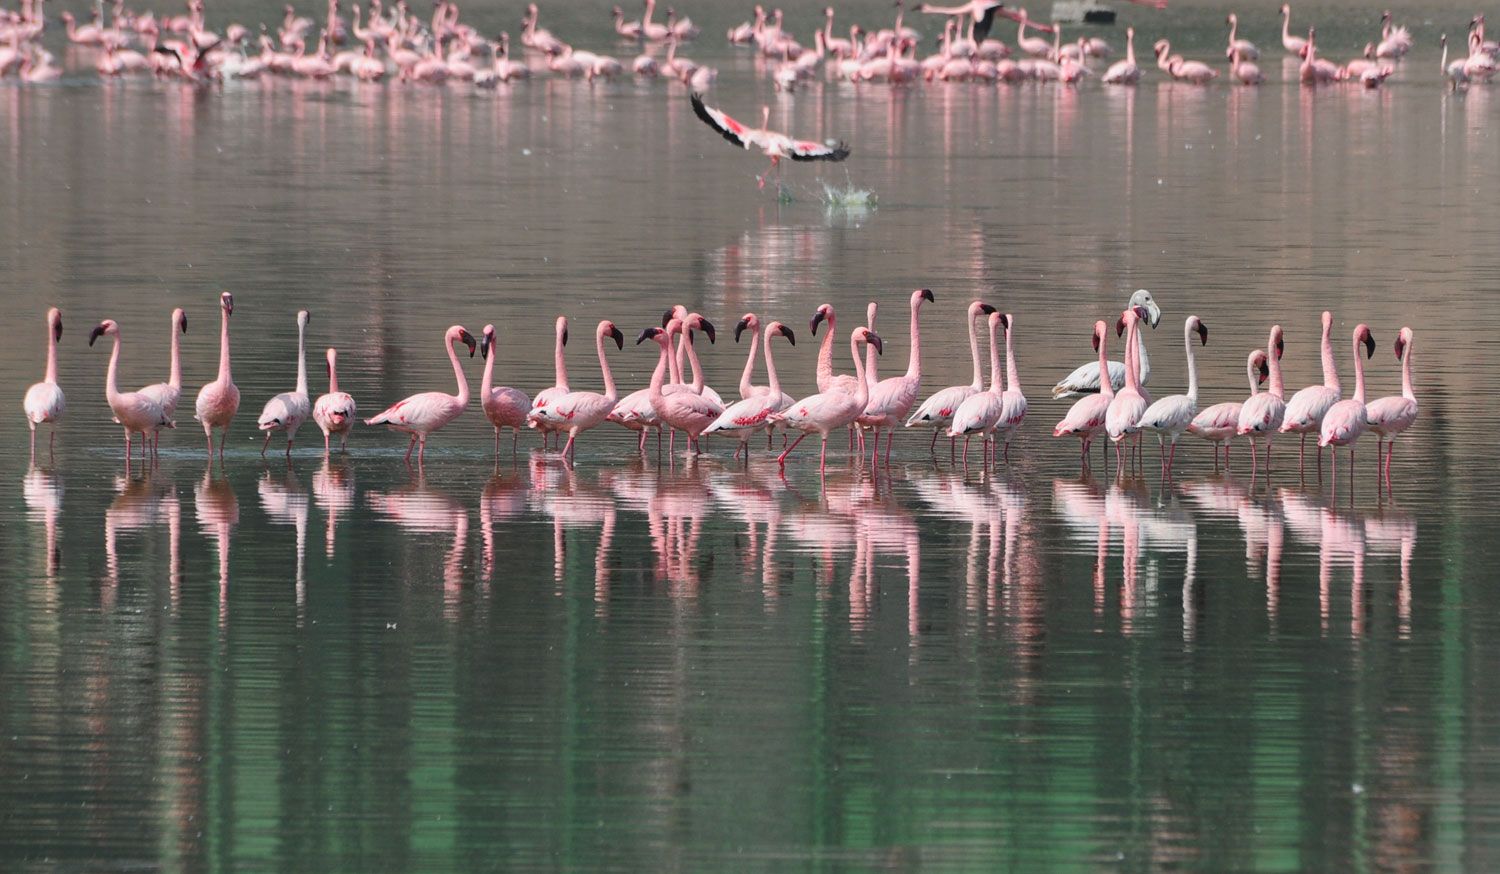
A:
x: 287, y: 411
x: 44, y: 402
x: 1218, y: 423
x: 1306, y: 409
x: 979, y: 412
x: 335, y: 412
x: 753, y: 412
x: 1348, y: 419
x: 1172, y: 415
x: 138, y: 413
x: 1294, y: 44
x: 504, y: 406
x: 686, y: 411
x: 578, y: 411
x: 775, y: 145
x: 1124, y: 72
x: 833, y: 409
x: 1262, y: 414
x: 1085, y: 419
x: 166, y: 394
x: 1085, y: 378
x: 891, y: 399
x: 937, y: 411
x: 1391, y: 416
x: 219, y: 400
x: 1129, y: 403
x: 422, y: 414
x: 559, y: 385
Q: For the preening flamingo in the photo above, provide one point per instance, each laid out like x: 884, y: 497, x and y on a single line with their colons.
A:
x: 686, y: 411
x: 578, y: 411
x: 136, y: 412
x: 1348, y: 419
x: 287, y: 411
x: 773, y: 144
x: 980, y: 411
x: 1130, y: 402
x: 1262, y: 414
x: 1391, y: 416
x: 504, y: 406
x: 1085, y: 378
x: 559, y: 385
x: 1085, y: 419
x: 1169, y: 417
x: 219, y: 400
x: 937, y: 411
x: 44, y: 402
x: 335, y: 411
x: 1306, y: 409
x: 833, y: 409
x: 166, y: 394
x: 891, y: 399
x: 422, y: 414
x: 1219, y: 423
x: 754, y: 410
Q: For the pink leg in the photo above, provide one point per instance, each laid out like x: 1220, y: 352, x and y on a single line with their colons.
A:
x: 641, y: 444
x: 1172, y: 460
x: 1302, y: 452
x: 966, y: 450
x: 823, y: 456
x: 890, y: 437
x: 421, y: 450
x: 1268, y: 460
x: 265, y: 444
x: 1389, y: 449
x: 875, y: 450
x: 410, y: 445
x: 572, y: 435
x: 33, y: 441
x: 781, y: 459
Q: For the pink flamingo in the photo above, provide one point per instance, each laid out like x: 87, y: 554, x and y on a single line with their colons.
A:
x: 1086, y: 418
x: 1245, y: 72
x: 1348, y: 419
x: 1034, y: 46
x: 44, y: 402
x: 422, y: 414
x: 1172, y: 415
x: 650, y: 30
x: 138, y: 413
x: 559, y: 385
x: 219, y: 400
x: 825, y: 376
x: 1195, y: 72
x: 166, y: 394
x: 1294, y: 44
x: 578, y: 411
x: 891, y: 399
x: 1315, y: 70
x: 773, y: 144
x: 287, y: 411
x: 1124, y: 72
x: 1013, y: 400
x: 756, y: 406
x: 937, y: 411
x: 1130, y: 402
x: 335, y: 411
x: 504, y: 406
x: 1306, y: 409
x: 1262, y: 414
x: 832, y: 409
x: 1245, y: 47
x: 1391, y: 416
x: 1218, y: 423
x: 686, y: 411
x: 979, y: 413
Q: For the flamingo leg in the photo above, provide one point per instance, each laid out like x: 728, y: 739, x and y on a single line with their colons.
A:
x: 1390, y: 448
x: 823, y: 456
x: 1302, y: 452
x: 933, y: 447
x: 572, y: 435
x: 967, y: 438
x: 410, y: 445
x: 890, y: 437
x: 327, y: 449
x: 781, y: 459
x: 421, y: 450
x: 265, y: 444
x: 33, y: 441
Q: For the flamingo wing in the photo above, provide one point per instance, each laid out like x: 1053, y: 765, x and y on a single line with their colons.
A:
x: 806, y: 150
x: 720, y: 121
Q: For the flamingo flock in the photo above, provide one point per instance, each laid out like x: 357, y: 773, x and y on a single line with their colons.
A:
x: 1112, y: 402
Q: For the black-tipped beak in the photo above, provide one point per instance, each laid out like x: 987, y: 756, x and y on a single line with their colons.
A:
x: 928, y: 296
x: 1369, y: 345
x: 183, y: 327
x: 229, y: 306
x: 786, y: 332
x: 646, y: 335
x: 1265, y: 372
x: 618, y: 335
x: 57, y: 331
x: 468, y: 341
x: 1120, y: 327
x: 1400, y: 346
x: 484, y: 346
x: 1004, y: 322
x: 874, y: 340
x: 1203, y: 333
x: 817, y: 320
x: 739, y: 328
x: 96, y: 334
x: 986, y: 308
x: 665, y: 318
x: 565, y: 336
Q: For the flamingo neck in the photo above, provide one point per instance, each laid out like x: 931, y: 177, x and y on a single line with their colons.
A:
x: 301, y: 358
x: 914, y: 356
x: 174, y: 372
x: 1192, y: 362
x: 677, y: 361
x: 772, y: 380
x: 825, y: 358
x: 458, y: 373
x: 1286, y: 26
x: 111, y: 384
x: 978, y: 382
x: 1406, y: 387
x: 1142, y: 360
x: 225, y: 374
x: 746, y: 385
x: 872, y: 366
x: 697, y: 369
x: 1330, y: 365
x: 609, y: 377
x: 1250, y: 372
x: 1106, y: 385
x: 862, y: 389
x: 660, y: 373
x: 1359, y: 374
x: 1130, y: 48
x: 997, y: 385
x: 1274, y: 363
x: 51, y: 375
x: 560, y: 361
x: 1132, y: 357
x: 1012, y: 374
x: 333, y: 368
x: 485, y: 382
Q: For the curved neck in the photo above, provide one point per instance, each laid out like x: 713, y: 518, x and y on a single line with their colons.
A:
x: 772, y: 380
x: 51, y: 375
x: 1012, y: 374
x: 914, y: 357
x: 659, y: 375
x: 301, y: 359
x: 746, y: 385
x: 1142, y: 360
x: 978, y: 382
x: 458, y: 373
x: 1254, y: 380
x: 560, y: 363
x: 1192, y: 361
x: 1274, y: 364
x: 675, y: 362
x: 174, y: 372
x: 1132, y: 356
x: 1359, y: 374
x: 1406, y: 388
x: 825, y: 358
x: 1286, y: 26
x: 1330, y: 365
x: 692, y: 354
x: 862, y: 390
x: 609, y: 378
x: 485, y: 382
x: 1106, y: 385
x: 1130, y: 49
x: 225, y: 374
x: 111, y: 383
x: 996, y: 384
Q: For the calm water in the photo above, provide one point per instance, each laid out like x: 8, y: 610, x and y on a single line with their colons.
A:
x: 346, y: 665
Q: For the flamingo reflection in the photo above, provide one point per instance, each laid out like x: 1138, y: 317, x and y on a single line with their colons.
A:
x: 218, y: 512
x: 42, y: 492
x: 142, y: 504
x: 420, y: 509
x: 503, y: 499
x: 333, y: 492
x: 575, y: 505
x: 285, y: 502
x: 756, y: 504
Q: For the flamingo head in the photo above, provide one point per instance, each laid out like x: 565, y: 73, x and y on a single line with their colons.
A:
x: 979, y: 308
x: 562, y: 329
x: 1258, y: 361
x: 303, y: 317
x: 608, y: 329
x: 1286, y: 9
x: 1132, y: 315
x: 776, y: 328
x: 660, y: 335
x: 1403, y: 340
x: 107, y: 327
x: 865, y: 335
x: 457, y: 332
x: 1100, y: 332
x: 226, y: 303
x: 1202, y: 330
x: 671, y: 314
x: 486, y: 340
x: 1160, y: 46
x: 1143, y: 298
x: 824, y: 312
x: 749, y: 321
x: 54, y: 321
x: 1327, y: 322
x: 920, y: 295
x: 1362, y: 335
x: 1231, y: 19
x: 1385, y: 16
x: 695, y: 322
x: 1277, y: 342
x: 998, y: 321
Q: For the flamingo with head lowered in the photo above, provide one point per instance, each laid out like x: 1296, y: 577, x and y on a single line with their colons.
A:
x: 422, y: 414
x: 44, y: 402
x: 773, y: 144
x: 578, y: 411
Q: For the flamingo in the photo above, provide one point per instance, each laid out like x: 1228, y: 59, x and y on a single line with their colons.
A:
x: 1013, y: 400
x: 745, y: 32
x: 287, y: 411
x: 1245, y: 72
x: 1306, y: 409
x: 891, y: 399
x: 686, y: 411
x: 166, y: 394
x: 937, y: 411
x: 1295, y: 45
x: 1348, y: 419
x: 630, y: 30
x: 1173, y: 414
x: 559, y: 385
x: 1218, y: 423
x: 1129, y: 403
x: 422, y: 414
x: 1124, y: 72
x: 756, y: 406
x: 1085, y: 378
x: 504, y: 406
x: 136, y: 412
x: 831, y: 410
x: 1085, y: 419
x: 1395, y: 40
x: 335, y: 411
x: 1315, y: 70
x: 748, y: 389
x: 1262, y: 414
x: 1195, y: 72
x: 650, y: 30
x: 826, y: 379
x: 1245, y: 47
x: 980, y: 411
x: 1391, y: 416
x: 218, y: 401
x: 578, y: 411
x: 44, y: 402
x: 1034, y: 46
x: 775, y: 145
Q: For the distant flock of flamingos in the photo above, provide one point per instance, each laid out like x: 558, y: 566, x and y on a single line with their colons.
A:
x: 391, y: 42
x: 1115, y: 404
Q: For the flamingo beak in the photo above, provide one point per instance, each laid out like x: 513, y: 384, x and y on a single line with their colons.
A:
x: 739, y: 328
x: 96, y: 334
x: 1095, y: 339
x: 707, y: 327
x: 986, y: 308
x: 928, y: 296
x: 1004, y: 322
x: 228, y: 302
x: 468, y: 341
x: 618, y: 336
x: 1400, y: 346
x: 183, y: 325
x: 1265, y: 372
x: 786, y: 332
x: 665, y: 318
x: 1120, y: 327
x: 57, y: 330
x: 1369, y: 345
x: 1203, y: 333
x: 565, y: 336
x: 484, y: 347
x: 646, y: 335
x: 817, y: 320
x: 874, y: 340
x: 1280, y: 348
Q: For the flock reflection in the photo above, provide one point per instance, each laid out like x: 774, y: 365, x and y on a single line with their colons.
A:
x: 904, y: 540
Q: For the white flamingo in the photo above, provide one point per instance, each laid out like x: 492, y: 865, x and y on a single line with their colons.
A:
x: 1168, y: 417
x: 287, y: 411
x: 44, y: 402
